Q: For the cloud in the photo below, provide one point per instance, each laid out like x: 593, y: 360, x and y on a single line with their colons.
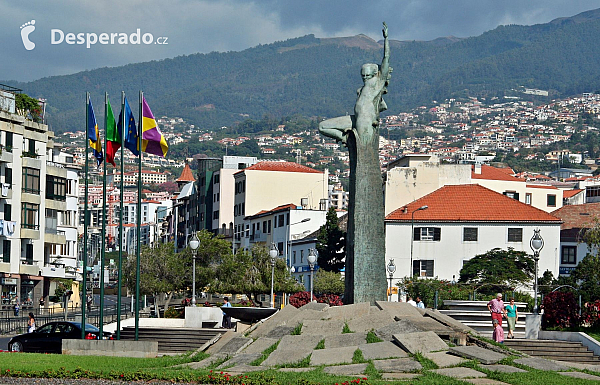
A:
x: 231, y: 25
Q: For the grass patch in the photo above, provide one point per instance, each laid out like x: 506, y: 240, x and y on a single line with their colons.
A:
x: 297, y: 330
x: 425, y: 362
x: 265, y: 354
x: 372, y: 372
x: 346, y: 329
x: 372, y: 337
x: 320, y: 345
x: 358, y: 358
x: 217, y: 362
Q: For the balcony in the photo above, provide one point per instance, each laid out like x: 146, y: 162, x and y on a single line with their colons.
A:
x: 29, y: 267
x: 30, y: 196
x: 6, y: 154
x: 30, y: 231
x: 56, y: 204
x: 54, y: 236
x: 56, y: 169
x: 4, y: 267
x: 258, y: 237
x: 53, y: 271
x: 31, y: 162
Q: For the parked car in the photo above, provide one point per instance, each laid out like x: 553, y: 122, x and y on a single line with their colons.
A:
x: 48, y: 338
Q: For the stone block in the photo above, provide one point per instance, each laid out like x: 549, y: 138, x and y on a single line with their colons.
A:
x: 235, y: 345
x: 348, y: 312
x: 472, y: 352
x: 304, y: 343
x: 296, y: 370
x: 533, y: 325
x: 542, y: 364
x: 381, y: 350
x: 240, y: 359
x: 280, y: 318
x: 322, y: 328
x: 332, y: 356
x: 260, y: 345
x: 399, y: 309
x: 205, y: 362
x: 225, y: 338
x: 503, y: 368
x: 243, y: 368
x: 347, y: 339
x: 346, y: 370
x: 397, y: 365
x: 314, y: 306
x: 444, y: 359
x: 459, y: 372
x: 583, y: 376
x: 110, y: 348
x: 305, y: 315
x: 280, y: 331
x: 483, y: 381
x: 399, y: 376
x: 449, y: 321
x: 428, y: 324
x: 423, y: 342
x: 282, y: 357
x: 397, y: 327
x: 370, y: 321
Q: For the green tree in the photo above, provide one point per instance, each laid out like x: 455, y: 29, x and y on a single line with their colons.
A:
x: 501, y: 269
x: 28, y: 106
x: 587, y: 272
x: 328, y: 282
x: 249, y: 273
x: 331, y: 243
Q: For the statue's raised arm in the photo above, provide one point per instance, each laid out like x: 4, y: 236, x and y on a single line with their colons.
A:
x: 385, y: 63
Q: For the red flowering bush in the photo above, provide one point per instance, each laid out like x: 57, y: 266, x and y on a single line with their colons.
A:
x: 560, y: 310
x: 591, y: 314
x: 303, y: 297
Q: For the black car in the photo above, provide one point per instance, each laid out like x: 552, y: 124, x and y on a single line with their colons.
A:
x: 48, y: 338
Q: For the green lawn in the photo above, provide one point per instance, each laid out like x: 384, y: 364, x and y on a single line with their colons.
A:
x: 164, y: 368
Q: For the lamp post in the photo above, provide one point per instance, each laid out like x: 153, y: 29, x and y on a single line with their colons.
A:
x: 273, y: 253
x: 537, y: 244
x: 312, y: 259
x: 193, y: 243
x: 412, y: 235
x: 391, y: 268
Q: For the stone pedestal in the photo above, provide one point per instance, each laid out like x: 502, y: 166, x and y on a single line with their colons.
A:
x: 533, y: 324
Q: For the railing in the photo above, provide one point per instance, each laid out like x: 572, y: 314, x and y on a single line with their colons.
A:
x: 29, y: 154
x: 56, y: 197
x: 50, y: 230
x: 54, y: 164
x: 30, y: 226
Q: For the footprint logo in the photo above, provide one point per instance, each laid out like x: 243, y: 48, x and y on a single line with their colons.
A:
x: 26, y: 29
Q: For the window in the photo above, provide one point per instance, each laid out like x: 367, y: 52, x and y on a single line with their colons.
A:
x: 29, y: 216
x: 51, y: 221
x: 9, y: 141
x: 6, y: 251
x: 294, y: 256
x: 56, y: 188
x: 281, y: 220
x: 280, y: 248
x: 512, y: 194
x: 551, y: 200
x: 301, y: 256
x: 569, y: 255
x: 216, y: 214
x: 515, y: 235
x: 423, y: 268
x: 216, y: 178
x: 31, y: 180
x: 528, y: 198
x: 7, y: 211
x: 8, y: 175
x: 427, y: 234
x: 470, y: 234
x: 269, y: 227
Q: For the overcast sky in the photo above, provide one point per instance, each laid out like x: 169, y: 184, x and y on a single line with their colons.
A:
x: 193, y: 26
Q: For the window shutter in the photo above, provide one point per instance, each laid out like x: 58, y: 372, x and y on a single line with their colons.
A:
x: 516, y: 196
x: 416, y: 268
x: 417, y: 234
x: 429, y: 267
x: 437, y: 233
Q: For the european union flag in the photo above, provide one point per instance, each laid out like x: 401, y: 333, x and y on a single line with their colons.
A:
x: 131, y: 133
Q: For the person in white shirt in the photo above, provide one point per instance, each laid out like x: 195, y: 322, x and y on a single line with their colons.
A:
x: 420, y: 303
x: 410, y: 301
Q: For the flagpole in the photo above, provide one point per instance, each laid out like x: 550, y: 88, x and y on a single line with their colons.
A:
x: 121, y: 217
x: 102, y: 253
x: 85, y: 217
x: 139, y: 221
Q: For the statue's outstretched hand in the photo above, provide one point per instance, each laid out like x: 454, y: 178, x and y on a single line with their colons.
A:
x: 385, y: 30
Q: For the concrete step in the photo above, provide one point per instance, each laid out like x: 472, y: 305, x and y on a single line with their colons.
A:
x: 172, y: 340
x: 555, y: 350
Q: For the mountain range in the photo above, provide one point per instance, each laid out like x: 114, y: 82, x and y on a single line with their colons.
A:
x: 319, y: 76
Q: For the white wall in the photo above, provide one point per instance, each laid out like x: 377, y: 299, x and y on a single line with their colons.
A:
x: 448, y: 254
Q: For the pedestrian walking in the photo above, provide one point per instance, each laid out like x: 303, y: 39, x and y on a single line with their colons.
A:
x: 512, y: 314
x: 17, y: 307
x: 496, y: 308
x: 31, y: 323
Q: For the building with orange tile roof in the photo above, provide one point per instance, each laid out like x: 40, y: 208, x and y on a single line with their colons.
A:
x: 460, y: 222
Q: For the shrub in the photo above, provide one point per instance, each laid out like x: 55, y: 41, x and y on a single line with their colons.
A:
x: 303, y: 297
x: 591, y: 314
x: 560, y: 310
x: 173, y: 312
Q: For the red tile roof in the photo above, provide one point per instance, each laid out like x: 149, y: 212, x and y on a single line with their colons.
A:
x: 470, y: 203
x: 282, y: 166
x: 493, y: 173
x: 285, y: 207
x: 578, y: 216
x: 542, y: 186
x: 571, y: 193
x: 186, y: 175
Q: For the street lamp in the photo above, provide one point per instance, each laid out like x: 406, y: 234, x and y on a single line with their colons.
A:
x: 391, y: 268
x: 312, y: 259
x: 537, y: 244
x: 412, y: 235
x: 273, y: 253
x: 193, y: 243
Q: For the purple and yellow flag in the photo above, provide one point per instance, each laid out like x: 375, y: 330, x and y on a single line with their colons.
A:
x: 153, y: 141
x: 94, y: 135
